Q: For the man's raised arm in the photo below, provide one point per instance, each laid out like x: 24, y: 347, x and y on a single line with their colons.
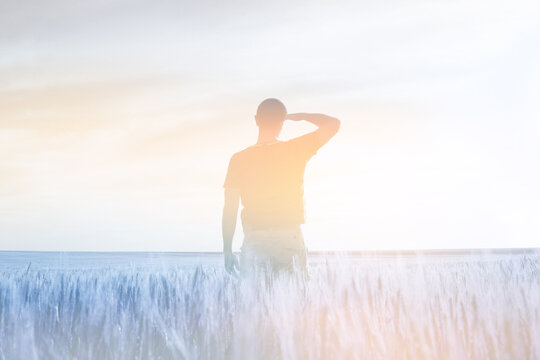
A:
x: 328, y: 126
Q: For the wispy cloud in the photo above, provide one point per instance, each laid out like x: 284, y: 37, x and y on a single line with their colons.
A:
x: 115, y: 104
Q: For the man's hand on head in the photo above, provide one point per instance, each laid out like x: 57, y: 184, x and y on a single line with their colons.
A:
x: 295, y: 116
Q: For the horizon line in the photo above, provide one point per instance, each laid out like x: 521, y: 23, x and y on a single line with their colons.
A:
x: 396, y: 252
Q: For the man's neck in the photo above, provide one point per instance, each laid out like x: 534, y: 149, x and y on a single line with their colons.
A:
x: 266, y: 139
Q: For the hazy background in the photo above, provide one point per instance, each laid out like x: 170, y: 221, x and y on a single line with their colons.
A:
x: 118, y: 119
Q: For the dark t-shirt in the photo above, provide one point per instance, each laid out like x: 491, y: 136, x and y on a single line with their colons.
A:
x: 270, y: 178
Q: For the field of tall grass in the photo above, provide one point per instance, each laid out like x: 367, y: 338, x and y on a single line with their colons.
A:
x: 395, y: 308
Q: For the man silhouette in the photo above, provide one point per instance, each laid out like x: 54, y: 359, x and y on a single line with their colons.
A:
x: 268, y: 177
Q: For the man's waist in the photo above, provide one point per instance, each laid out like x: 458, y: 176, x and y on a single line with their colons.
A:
x: 284, y: 220
x: 289, y: 237
x: 278, y: 227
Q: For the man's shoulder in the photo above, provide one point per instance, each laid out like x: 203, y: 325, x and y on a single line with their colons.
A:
x: 252, y: 152
x: 237, y: 156
x: 245, y: 151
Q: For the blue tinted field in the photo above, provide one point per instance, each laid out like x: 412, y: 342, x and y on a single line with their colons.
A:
x: 174, y: 306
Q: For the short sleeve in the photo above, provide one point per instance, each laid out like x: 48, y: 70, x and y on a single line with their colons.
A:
x: 306, y: 146
x: 232, y: 179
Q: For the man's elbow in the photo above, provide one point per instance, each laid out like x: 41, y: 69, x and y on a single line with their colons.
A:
x: 230, y: 209
x: 335, y: 125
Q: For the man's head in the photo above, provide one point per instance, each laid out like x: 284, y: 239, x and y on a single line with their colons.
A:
x: 271, y: 115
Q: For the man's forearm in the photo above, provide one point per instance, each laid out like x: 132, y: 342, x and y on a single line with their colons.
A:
x: 228, y: 227
x: 321, y: 120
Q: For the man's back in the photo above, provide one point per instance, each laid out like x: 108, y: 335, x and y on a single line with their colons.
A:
x: 270, y: 178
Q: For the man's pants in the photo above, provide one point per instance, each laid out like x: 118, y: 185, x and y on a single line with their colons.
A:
x: 277, y: 248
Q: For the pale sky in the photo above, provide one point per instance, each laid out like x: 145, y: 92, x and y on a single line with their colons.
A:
x: 118, y: 118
